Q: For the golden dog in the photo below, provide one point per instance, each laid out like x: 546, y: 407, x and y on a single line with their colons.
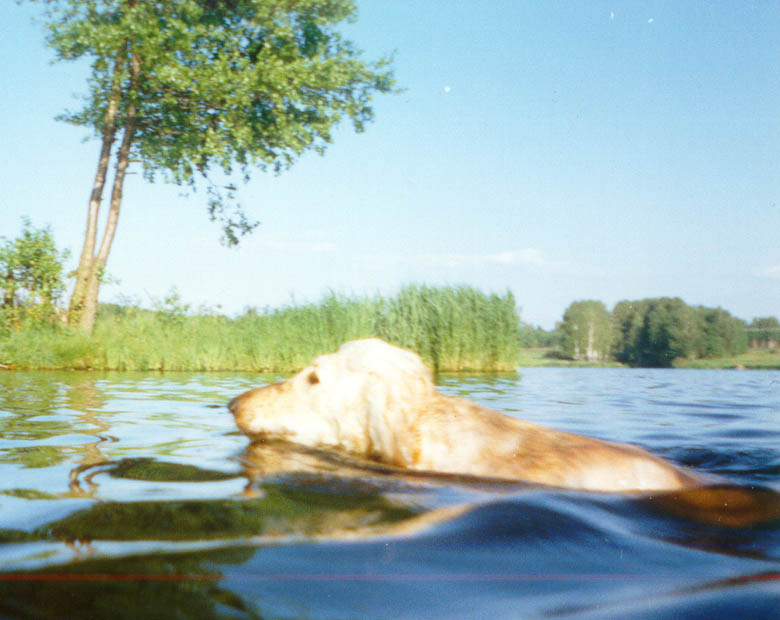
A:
x: 377, y: 401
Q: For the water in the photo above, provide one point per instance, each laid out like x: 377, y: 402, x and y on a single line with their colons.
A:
x: 133, y: 496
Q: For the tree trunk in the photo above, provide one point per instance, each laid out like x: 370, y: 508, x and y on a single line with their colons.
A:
x: 88, y: 314
x: 87, y: 259
x: 590, y: 354
x: 90, y: 304
x: 9, y: 291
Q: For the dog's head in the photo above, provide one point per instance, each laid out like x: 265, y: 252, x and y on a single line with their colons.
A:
x: 351, y: 399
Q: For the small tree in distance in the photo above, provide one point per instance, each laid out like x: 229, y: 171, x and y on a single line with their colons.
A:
x: 586, y: 331
x: 31, y: 276
x: 190, y: 88
x: 764, y: 332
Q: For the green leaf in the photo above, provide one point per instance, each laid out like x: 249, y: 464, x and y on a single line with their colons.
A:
x: 225, y: 86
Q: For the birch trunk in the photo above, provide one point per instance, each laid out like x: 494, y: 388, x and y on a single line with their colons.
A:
x: 86, y: 261
x: 88, y: 314
x: 590, y: 354
x: 90, y: 303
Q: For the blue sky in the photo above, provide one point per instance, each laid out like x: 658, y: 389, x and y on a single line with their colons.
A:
x: 562, y: 150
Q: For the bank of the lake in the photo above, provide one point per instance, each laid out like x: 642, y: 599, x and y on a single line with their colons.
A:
x: 453, y: 328
x: 757, y: 359
x: 529, y: 357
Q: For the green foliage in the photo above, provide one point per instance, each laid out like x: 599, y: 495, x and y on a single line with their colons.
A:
x: 660, y: 332
x: 31, y: 277
x: 628, y: 317
x: 668, y: 332
x: 722, y: 334
x: 218, y: 86
x: 48, y: 347
x: 453, y: 328
x: 586, y: 332
x: 172, y: 310
x: 537, y: 337
x: 764, y: 332
x: 767, y: 322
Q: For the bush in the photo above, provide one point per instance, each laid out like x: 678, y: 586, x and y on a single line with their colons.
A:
x: 31, y: 278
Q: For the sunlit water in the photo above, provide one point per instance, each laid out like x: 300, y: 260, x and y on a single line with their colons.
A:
x: 133, y: 496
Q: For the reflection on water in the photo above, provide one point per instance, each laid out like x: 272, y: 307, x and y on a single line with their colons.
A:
x: 133, y: 495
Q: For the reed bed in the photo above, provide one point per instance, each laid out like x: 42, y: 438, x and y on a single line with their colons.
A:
x: 452, y: 328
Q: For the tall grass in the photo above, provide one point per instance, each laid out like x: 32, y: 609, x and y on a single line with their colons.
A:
x: 452, y: 328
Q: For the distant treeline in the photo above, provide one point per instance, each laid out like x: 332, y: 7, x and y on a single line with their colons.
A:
x: 764, y: 333
x: 656, y: 332
x: 453, y: 328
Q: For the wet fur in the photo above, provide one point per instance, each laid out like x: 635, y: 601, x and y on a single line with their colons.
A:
x: 377, y: 401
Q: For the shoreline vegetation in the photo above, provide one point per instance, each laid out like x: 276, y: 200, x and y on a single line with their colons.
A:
x: 753, y: 359
x: 455, y: 329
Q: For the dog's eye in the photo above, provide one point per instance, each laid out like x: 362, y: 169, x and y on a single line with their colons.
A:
x: 313, y: 378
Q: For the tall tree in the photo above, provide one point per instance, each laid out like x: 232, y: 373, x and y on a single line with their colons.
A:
x: 655, y: 332
x: 197, y: 90
x: 587, y: 331
x: 629, y: 316
x: 721, y: 333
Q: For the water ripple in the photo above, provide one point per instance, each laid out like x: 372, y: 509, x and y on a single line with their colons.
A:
x: 120, y: 484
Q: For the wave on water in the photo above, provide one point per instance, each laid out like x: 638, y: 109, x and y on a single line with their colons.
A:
x: 118, y: 506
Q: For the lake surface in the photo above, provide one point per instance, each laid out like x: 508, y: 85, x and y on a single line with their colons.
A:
x: 133, y: 496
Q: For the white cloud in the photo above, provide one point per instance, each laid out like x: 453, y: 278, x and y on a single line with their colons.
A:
x: 442, y: 260
x: 772, y: 272
x: 527, y: 257
x: 530, y: 259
